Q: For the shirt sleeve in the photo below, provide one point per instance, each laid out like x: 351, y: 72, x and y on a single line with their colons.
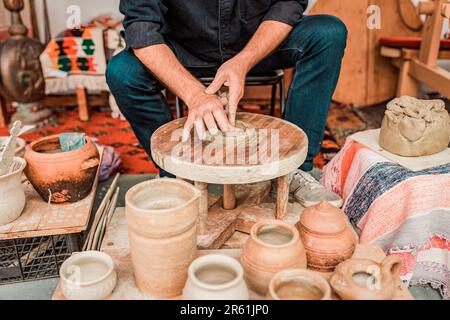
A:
x: 143, y: 22
x: 287, y: 11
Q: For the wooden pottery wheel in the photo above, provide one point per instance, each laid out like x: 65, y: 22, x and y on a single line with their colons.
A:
x: 264, y: 148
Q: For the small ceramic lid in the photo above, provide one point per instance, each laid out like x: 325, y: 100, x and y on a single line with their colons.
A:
x: 324, y: 218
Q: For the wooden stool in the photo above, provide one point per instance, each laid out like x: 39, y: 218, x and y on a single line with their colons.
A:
x: 196, y: 161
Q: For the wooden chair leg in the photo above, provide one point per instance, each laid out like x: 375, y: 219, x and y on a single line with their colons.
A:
x: 407, y: 85
x: 3, y: 114
x: 83, y: 104
x: 273, y: 100
x: 282, y: 98
x: 179, y: 108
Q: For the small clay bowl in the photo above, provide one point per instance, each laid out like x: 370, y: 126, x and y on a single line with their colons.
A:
x: 20, y: 146
x: 298, y: 284
x: 88, y: 275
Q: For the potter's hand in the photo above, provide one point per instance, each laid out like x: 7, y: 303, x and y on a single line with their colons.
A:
x: 232, y: 75
x: 206, y: 109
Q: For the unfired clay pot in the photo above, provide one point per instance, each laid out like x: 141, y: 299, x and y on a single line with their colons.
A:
x: 273, y: 246
x: 364, y: 279
x: 162, y: 228
x: 215, y: 277
x: 88, y: 275
x: 298, y: 284
x: 413, y: 127
x: 11, y: 193
x: 67, y: 176
x: 327, y: 236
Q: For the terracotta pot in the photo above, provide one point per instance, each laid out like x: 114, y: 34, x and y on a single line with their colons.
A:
x: 327, y: 236
x: 12, y: 195
x: 215, y: 277
x: 273, y: 246
x: 88, y: 275
x: 364, y: 279
x: 162, y: 219
x: 20, y: 148
x: 298, y: 284
x: 67, y: 176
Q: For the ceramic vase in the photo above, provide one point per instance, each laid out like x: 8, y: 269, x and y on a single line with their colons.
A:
x: 162, y: 218
x: 64, y: 176
x: 12, y: 195
x: 298, y: 284
x: 215, y: 277
x: 327, y: 236
x: 88, y: 275
x: 273, y: 246
x: 364, y: 279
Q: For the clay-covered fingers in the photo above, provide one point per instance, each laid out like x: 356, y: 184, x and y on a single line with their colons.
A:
x: 188, y: 128
x: 222, y: 120
x: 234, y: 97
x: 200, y: 128
x: 217, y: 83
x: 210, y: 123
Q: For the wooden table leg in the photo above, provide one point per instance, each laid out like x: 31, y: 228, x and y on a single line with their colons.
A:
x: 3, y: 113
x: 229, y: 196
x: 83, y: 104
x: 282, y: 196
x: 203, y: 207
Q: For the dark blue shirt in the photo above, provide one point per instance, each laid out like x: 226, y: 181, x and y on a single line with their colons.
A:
x: 212, y: 30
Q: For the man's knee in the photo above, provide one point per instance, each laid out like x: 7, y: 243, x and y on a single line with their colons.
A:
x: 332, y: 32
x: 125, y: 72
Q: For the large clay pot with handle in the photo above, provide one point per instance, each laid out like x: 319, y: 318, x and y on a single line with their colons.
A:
x: 273, y: 246
x: 62, y: 176
x: 162, y: 229
x: 327, y: 236
x: 364, y: 279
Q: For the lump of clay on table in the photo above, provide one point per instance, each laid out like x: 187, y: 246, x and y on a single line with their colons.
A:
x: 244, y: 132
x: 413, y: 127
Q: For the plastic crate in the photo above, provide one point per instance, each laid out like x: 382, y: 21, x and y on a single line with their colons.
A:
x: 35, y: 258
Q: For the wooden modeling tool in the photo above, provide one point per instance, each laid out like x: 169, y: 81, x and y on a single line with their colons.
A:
x: 10, y: 149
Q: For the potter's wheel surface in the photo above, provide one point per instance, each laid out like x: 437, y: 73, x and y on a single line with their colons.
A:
x: 264, y: 148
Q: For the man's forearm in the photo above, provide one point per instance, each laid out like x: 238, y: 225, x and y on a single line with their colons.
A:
x: 266, y: 39
x: 164, y: 65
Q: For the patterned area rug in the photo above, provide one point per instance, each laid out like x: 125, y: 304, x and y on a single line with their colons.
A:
x: 118, y: 134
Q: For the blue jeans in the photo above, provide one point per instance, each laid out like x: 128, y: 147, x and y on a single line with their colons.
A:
x: 314, y: 48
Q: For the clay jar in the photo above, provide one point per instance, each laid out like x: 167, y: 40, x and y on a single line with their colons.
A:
x: 67, y: 176
x: 20, y: 148
x: 12, y: 195
x: 215, y: 277
x: 162, y: 219
x: 273, y: 246
x: 364, y: 279
x: 327, y: 236
x: 298, y: 284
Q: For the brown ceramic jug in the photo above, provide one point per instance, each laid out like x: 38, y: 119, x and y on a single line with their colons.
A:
x: 64, y: 176
x: 327, y: 236
x: 273, y: 246
x: 162, y: 228
x: 364, y: 279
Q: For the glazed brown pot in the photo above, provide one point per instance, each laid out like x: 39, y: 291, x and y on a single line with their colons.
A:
x: 364, y: 279
x: 327, y: 236
x: 67, y: 176
x: 298, y: 284
x: 162, y: 228
x: 273, y: 246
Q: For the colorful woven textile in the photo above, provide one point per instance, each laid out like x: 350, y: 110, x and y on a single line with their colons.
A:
x: 407, y: 213
x: 76, y: 58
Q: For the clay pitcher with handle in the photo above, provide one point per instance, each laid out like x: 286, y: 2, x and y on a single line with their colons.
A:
x: 365, y: 279
x: 162, y: 229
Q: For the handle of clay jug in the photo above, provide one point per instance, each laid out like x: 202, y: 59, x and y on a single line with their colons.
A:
x: 90, y: 163
x: 392, y: 264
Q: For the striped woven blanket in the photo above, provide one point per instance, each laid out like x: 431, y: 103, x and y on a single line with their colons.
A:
x: 407, y: 213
